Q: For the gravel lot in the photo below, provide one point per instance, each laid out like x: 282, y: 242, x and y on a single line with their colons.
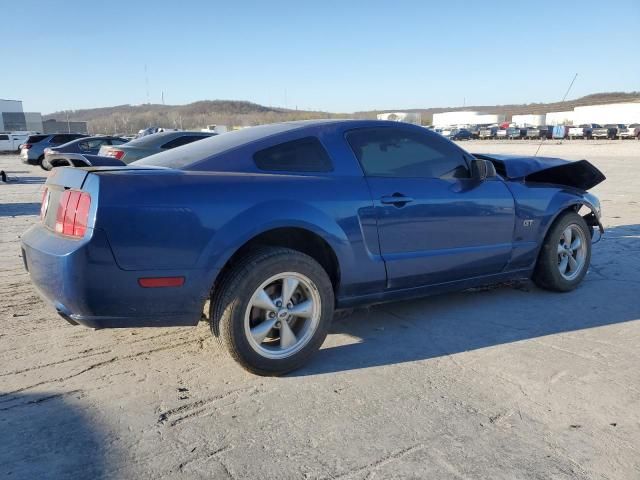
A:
x: 502, y: 383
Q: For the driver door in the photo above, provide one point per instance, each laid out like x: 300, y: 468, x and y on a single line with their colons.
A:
x: 435, y: 223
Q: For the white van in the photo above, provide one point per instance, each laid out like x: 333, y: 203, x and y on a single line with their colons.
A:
x: 10, y: 142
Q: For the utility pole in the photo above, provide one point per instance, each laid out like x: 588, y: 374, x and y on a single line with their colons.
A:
x: 146, y: 81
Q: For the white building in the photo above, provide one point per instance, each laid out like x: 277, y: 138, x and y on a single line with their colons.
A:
x: 465, y: 117
x: 609, y: 113
x: 560, y: 118
x: 529, y: 120
x: 407, y: 117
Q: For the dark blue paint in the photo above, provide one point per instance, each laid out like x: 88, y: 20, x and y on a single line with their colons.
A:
x: 148, y: 221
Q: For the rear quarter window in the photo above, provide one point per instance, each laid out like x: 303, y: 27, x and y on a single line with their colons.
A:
x: 303, y: 155
x: 36, y: 138
x: 184, y: 140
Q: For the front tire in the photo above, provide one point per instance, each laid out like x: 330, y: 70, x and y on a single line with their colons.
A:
x: 272, y: 310
x: 565, y: 254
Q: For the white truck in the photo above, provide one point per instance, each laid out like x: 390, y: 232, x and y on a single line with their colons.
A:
x: 215, y: 128
x: 10, y: 142
x: 631, y: 131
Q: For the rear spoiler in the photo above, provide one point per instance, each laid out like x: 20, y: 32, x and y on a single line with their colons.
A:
x: 77, y: 160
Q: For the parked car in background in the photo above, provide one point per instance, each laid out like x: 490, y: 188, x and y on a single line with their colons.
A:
x: 514, y: 133
x: 462, y: 134
x: 630, y: 131
x: 583, y: 131
x: 488, y: 133
x: 11, y: 141
x: 560, y: 132
x: 475, y: 131
x: 501, y: 134
x: 275, y: 226
x: 149, y: 144
x: 546, y: 131
x: 609, y: 131
x: 80, y: 146
x: 532, y: 133
x: 447, y: 132
x: 32, y: 151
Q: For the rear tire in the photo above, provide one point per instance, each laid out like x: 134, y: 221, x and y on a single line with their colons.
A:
x: 565, y: 254
x: 264, y: 336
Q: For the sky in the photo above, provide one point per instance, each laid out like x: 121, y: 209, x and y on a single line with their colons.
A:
x: 339, y: 56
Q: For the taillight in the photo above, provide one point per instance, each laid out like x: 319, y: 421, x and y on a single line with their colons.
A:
x: 115, y: 153
x: 73, y: 213
x: 45, y: 203
x: 26, y: 146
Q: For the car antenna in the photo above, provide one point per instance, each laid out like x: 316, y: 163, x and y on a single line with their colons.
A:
x: 561, y: 101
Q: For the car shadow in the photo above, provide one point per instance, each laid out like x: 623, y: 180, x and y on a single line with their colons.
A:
x: 433, y: 327
x: 19, y: 209
x: 47, y: 436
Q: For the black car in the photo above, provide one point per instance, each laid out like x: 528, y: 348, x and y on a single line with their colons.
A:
x: 75, y: 149
x: 462, y: 134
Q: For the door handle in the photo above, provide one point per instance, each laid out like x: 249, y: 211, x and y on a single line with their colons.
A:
x: 397, y: 199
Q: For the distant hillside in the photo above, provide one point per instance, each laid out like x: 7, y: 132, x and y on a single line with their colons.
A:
x: 131, y: 118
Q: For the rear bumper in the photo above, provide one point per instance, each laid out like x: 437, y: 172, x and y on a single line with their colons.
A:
x: 82, y: 281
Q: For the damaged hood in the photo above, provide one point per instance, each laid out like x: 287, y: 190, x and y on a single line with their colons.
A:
x: 579, y: 174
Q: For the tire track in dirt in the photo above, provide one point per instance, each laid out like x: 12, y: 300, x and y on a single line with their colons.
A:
x: 92, y: 367
x: 177, y: 415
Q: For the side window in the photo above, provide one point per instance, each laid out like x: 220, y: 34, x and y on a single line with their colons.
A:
x: 183, y: 140
x: 395, y: 152
x: 303, y: 155
x: 4, y: 137
x: 91, y: 145
x: 58, y: 139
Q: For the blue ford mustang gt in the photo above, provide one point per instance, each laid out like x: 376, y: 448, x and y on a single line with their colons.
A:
x: 273, y: 227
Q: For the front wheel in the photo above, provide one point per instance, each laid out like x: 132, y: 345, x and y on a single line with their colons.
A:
x: 565, y: 255
x: 272, y: 310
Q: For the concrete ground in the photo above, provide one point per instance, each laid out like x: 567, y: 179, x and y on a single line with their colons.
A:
x: 506, y: 383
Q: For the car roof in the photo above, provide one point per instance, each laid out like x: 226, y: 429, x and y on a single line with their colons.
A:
x: 154, y: 138
x: 228, y: 141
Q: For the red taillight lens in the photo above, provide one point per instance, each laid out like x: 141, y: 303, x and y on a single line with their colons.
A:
x: 115, y: 153
x: 73, y: 213
x: 44, y: 204
x: 26, y: 146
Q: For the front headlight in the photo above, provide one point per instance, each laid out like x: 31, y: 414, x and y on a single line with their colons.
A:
x: 595, y: 203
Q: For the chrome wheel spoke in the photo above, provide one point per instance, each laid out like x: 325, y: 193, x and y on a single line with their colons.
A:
x: 289, y: 285
x: 260, y: 332
x: 573, y: 264
x: 303, y: 310
x: 263, y: 300
x: 560, y: 249
x: 575, y: 245
x: 567, y: 235
x: 563, y: 265
x: 287, y: 337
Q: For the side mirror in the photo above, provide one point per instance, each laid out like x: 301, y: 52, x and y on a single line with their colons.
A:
x: 482, y: 169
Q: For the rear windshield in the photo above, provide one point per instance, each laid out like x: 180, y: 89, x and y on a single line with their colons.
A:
x: 197, y: 151
x: 36, y: 138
